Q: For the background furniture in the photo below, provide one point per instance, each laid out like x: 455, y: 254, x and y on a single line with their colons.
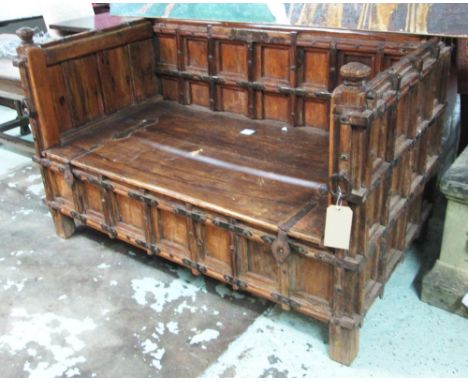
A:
x: 12, y: 95
x: 447, y: 283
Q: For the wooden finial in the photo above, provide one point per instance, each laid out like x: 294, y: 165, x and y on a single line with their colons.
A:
x: 354, y: 73
x: 26, y: 35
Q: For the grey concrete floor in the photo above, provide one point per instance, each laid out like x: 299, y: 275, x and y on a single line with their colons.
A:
x: 90, y: 306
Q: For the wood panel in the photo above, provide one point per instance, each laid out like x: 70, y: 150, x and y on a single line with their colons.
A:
x: 167, y: 50
x: 92, y: 198
x: 196, y: 55
x: 232, y: 59
x: 316, y: 66
x: 199, y: 94
x: 311, y: 279
x: 316, y: 113
x: 276, y: 107
x: 233, y: 99
x: 217, y: 244
x: 86, y: 97
x: 170, y: 88
x: 130, y: 212
x: 116, y: 78
x: 142, y: 66
x: 173, y: 228
x: 273, y: 63
x: 60, y: 97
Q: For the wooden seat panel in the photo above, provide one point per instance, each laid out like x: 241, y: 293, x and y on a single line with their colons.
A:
x: 202, y: 158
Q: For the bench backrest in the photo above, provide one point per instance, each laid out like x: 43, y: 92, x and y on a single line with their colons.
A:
x: 278, y: 73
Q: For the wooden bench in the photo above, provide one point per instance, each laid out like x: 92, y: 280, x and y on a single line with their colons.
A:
x: 219, y: 146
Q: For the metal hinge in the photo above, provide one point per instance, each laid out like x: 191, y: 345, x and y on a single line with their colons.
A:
x: 285, y: 300
x: 239, y: 283
x: 194, y: 265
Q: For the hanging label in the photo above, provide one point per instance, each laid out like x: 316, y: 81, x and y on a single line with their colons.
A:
x: 338, y: 226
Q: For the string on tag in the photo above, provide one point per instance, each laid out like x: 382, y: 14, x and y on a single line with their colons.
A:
x: 339, y: 201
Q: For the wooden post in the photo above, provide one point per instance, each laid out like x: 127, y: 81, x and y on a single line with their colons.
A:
x: 64, y: 225
x: 349, y: 97
x: 344, y: 343
x: 348, y: 154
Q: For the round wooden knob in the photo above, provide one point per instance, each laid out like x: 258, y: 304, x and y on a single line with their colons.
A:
x: 25, y: 34
x: 355, y: 72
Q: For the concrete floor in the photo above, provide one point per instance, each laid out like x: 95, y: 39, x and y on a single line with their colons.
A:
x: 89, y: 306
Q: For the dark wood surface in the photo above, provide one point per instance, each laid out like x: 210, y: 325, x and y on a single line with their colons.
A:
x: 96, y: 22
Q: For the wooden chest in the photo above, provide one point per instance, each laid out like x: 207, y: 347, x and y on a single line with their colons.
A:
x: 219, y: 147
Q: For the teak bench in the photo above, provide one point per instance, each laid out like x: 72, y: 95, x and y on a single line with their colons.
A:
x: 219, y: 147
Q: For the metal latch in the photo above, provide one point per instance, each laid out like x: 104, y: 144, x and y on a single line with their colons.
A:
x: 280, y: 246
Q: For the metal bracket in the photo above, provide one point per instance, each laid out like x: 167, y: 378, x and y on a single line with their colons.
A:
x: 232, y: 227
x: 76, y: 215
x: 348, y: 322
x: 253, y: 85
x: 354, y: 264
x: 294, y: 91
x: 52, y: 204
x: 110, y: 230
x: 194, y: 265
x: 67, y: 174
x: 280, y: 247
x: 268, y: 239
x: 395, y: 79
x: 143, y: 198
x: 239, y: 283
x: 341, y: 180
x: 98, y: 182
x: 41, y: 161
x: 194, y: 215
x: 152, y: 249
x: 285, y: 300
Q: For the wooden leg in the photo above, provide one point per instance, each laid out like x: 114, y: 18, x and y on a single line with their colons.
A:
x: 64, y: 226
x: 344, y: 344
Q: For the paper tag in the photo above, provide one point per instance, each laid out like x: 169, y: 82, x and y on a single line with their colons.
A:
x: 247, y: 132
x: 338, y: 227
